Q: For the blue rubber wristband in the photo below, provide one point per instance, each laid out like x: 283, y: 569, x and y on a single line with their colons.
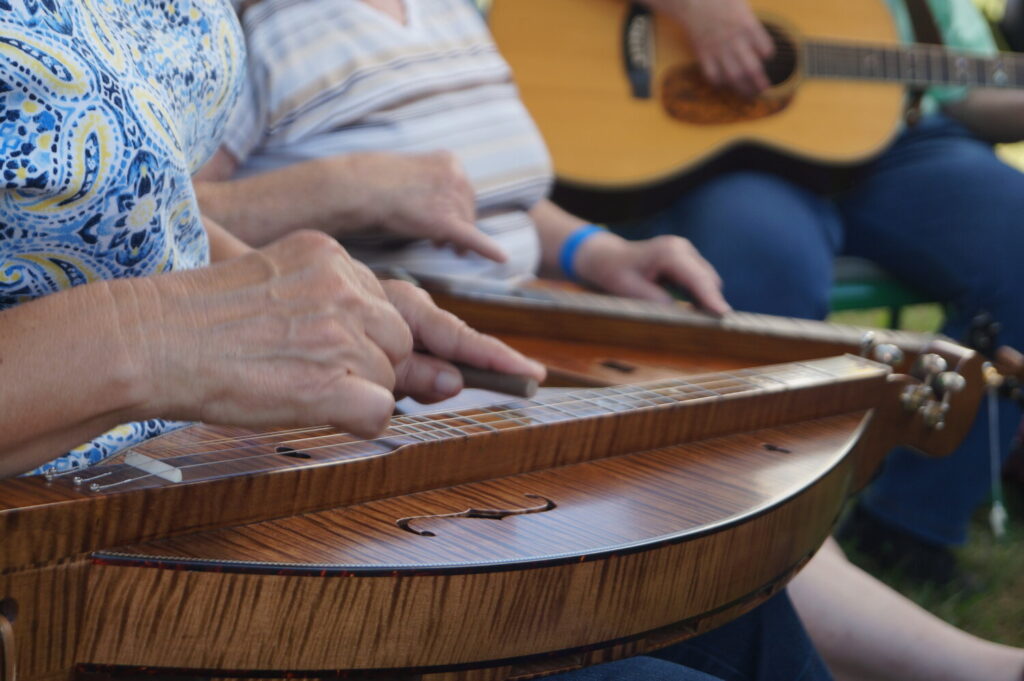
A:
x: 571, y: 245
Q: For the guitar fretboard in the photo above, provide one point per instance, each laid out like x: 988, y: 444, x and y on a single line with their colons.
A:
x: 919, y: 65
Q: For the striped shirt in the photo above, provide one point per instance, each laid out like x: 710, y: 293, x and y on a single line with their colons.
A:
x: 331, y: 77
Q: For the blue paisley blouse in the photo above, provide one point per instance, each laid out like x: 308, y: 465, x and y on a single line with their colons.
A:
x: 106, y: 109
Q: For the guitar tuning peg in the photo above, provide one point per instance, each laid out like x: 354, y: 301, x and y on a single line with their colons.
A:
x: 887, y: 353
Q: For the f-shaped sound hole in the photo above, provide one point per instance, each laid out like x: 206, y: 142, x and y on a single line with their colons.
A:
x: 480, y: 513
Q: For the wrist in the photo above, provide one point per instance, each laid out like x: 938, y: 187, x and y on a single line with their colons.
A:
x: 355, y: 181
x: 135, y: 309
x: 572, y: 245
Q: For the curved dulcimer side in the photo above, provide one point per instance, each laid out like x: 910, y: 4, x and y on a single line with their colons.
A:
x: 478, y: 544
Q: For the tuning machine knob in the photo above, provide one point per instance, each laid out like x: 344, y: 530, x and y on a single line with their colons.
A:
x: 928, y: 366
x: 867, y: 343
x: 947, y: 383
x: 886, y: 353
x: 920, y: 396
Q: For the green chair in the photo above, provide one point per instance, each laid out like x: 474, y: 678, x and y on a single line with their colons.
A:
x: 862, y: 285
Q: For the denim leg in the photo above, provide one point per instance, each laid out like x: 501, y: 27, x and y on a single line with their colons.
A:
x: 772, y: 242
x: 769, y: 643
x: 941, y: 211
x: 634, y: 669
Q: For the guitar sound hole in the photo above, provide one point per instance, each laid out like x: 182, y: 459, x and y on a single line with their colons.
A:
x: 293, y: 453
x: 782, y: 64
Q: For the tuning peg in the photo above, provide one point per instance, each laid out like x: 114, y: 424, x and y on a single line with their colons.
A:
x: 867, y: 343
x: 928, y: 366
x: 949, y: 382
x: 934, y: 413
x: 886, y: 353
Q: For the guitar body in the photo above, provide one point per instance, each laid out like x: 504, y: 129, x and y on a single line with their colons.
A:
x: 567, y: 57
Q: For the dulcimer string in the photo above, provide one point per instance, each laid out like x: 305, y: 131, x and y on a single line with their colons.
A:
x: 502, y: 414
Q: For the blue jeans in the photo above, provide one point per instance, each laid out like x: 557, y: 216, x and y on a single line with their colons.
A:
x: 767, y: 644
x: 937, y: 210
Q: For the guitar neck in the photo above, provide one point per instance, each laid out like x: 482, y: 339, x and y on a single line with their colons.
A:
x: 916, y: 65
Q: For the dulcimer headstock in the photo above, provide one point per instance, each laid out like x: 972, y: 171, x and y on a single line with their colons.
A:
x: 933, y: 398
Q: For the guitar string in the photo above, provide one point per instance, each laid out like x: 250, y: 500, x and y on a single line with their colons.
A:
x: 854, y: 53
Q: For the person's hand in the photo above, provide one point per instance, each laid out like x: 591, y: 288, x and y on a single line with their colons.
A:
x: 424, y: 196
x: 294, y: 334
x: 636, y: 268
x: 727, y: 39
x: 439, y: 336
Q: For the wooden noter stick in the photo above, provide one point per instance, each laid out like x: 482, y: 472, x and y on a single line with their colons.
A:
x: 485, y: 379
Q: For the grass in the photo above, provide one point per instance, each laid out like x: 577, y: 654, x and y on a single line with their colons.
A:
x: 996, y: 610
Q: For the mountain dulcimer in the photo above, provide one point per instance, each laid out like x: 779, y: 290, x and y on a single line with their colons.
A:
x: 481, y: 544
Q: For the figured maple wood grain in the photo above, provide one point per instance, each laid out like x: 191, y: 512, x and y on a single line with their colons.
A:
x: 637, y: 542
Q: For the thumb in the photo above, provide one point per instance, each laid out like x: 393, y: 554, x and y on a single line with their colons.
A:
x: 427, y: 379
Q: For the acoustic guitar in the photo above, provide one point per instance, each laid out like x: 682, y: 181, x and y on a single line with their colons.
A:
x: 478, y: 544
x: 630, y: 121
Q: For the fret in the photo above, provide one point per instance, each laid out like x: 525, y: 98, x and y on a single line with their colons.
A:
x: 468, y: 422
x: 560, y: 413
x: 609, y: 402
x: 871, y: 65
x: 892, y: 64
x: 502, y: 417
x: 446, y: 427
x: 937, y: 65
x: 961, y: 72
x: 918, y: 65
x: 647, y: 398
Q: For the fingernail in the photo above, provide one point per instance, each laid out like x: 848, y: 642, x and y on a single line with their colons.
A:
x: 447, y: 383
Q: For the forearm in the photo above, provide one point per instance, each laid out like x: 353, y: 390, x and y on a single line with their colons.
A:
x: 323, y: 194
x: 995, y: 115
x: 554, y: 226
x: 68, y: 373
x: 223, y: 244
